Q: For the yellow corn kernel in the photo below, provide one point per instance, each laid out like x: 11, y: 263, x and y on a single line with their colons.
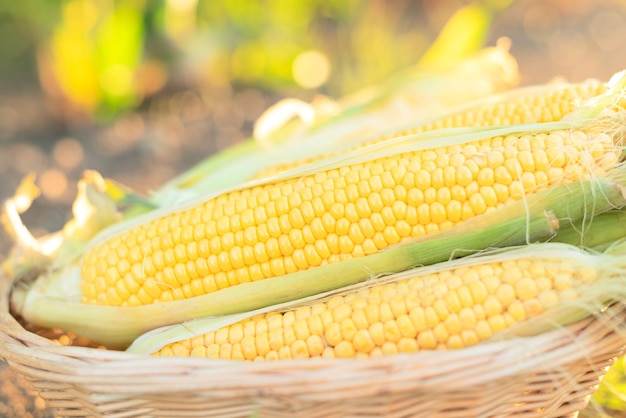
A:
x: 431, y: 317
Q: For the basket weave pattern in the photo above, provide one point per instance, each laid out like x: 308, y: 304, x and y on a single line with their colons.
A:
x: 550, y: 375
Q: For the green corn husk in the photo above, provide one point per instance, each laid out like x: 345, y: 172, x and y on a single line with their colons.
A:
x: 599, y: 233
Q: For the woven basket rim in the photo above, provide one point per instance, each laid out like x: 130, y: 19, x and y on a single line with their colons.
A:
x: 464, y: 369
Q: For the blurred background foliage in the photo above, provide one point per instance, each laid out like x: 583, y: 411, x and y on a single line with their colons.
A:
x: 104, y: 56
x: 97, y: 59
x: 140, y: 90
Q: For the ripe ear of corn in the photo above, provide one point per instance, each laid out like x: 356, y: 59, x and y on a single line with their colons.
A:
x: 446, y: 306
x: 295, y: 225
x: 537, y: 104
x: 349, y: 211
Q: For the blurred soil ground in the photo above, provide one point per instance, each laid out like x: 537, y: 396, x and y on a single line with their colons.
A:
x: 143, y: 149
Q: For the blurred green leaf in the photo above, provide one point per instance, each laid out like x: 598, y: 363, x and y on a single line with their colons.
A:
x: 119, y: 46
x: 473, y: 22
x: 73, y: 54
x: 611, y: 393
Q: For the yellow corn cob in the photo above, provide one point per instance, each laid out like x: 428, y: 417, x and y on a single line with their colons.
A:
x: 446, y: 309
x: 531, y: 105
x: 333, y: 215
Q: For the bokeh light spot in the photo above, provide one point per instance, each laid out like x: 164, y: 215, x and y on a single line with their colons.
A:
x: 68, y: 153
x: 182, y: 5
x: 151, y: 77
x: 53, y: 183
x: 311, y: 69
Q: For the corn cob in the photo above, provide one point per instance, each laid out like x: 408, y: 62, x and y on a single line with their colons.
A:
x: 523, y: 106
x: 334, y: 215
x: 450, y: 306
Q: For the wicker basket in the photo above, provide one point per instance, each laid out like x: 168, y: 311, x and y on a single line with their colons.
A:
x: 551, y: 375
